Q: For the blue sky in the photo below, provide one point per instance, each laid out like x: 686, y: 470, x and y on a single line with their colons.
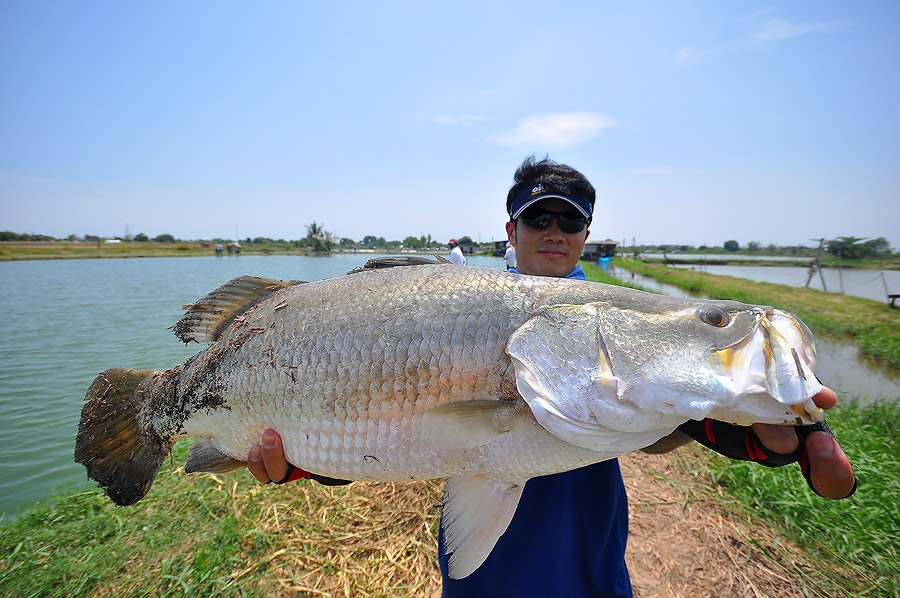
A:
x: 697, y: 122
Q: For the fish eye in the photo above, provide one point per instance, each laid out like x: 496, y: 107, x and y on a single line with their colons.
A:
x: 714, y: 316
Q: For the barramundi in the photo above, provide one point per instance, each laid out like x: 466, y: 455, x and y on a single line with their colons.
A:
x: 480, y: 376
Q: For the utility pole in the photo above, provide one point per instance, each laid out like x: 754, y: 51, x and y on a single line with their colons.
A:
x: 815, y: 265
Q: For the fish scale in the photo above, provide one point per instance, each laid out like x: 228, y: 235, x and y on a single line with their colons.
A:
x: 480, y: 376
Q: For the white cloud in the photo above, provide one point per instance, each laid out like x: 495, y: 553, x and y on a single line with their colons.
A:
x: 691, y: 56
x: 463, y: 120
x: 777, y: 29
x: 554, y: 131
x: 657, y: 170
x: 764, y: 33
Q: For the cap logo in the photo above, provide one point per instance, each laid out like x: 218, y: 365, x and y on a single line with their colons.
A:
x: 539, y: 188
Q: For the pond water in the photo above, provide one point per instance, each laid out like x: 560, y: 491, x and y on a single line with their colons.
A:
x: 839, y: 362
x: 65, y: 321
x: 868, y: 284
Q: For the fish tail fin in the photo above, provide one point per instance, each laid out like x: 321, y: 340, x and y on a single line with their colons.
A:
x: 110, y: 443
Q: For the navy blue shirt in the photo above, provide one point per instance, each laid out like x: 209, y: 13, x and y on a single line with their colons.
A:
x: 567, y: 539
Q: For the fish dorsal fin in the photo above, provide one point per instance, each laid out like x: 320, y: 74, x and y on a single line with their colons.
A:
x: 208, y: 317
x: 477, y: 510
x: 393, y: 261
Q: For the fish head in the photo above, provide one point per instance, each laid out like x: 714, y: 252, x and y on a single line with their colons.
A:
x: 724, y: 360
x: 593, y: 369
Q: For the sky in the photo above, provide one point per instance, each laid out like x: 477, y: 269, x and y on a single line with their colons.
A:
x: 697, y: 121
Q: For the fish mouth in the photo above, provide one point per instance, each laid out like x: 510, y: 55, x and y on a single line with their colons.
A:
x: 777, y: 358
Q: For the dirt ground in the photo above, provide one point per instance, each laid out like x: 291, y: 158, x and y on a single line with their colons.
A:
x: 681, y: 545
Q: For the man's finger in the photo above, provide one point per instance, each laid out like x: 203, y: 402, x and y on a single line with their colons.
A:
x: 273, y: 456
x: 256, y: 466
x: 830, y: 472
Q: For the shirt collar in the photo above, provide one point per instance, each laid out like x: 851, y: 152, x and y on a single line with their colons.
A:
x: 576, y: 274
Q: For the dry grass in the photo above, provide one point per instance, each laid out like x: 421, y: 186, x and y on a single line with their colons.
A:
x: 375, y: 539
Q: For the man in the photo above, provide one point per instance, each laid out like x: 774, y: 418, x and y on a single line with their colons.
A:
x: 568, y: 535
x: 456, y: 254
x: 510, y: 256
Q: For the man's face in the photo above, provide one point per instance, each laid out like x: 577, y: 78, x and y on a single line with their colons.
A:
x: 547, y: 252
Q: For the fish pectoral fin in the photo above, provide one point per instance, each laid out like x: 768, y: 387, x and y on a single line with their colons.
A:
x: 468, y: 424
x: 207, y: 318
x: 477, y: 510
x: 205, y: 456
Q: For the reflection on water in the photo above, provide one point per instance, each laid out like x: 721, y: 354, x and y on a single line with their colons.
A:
x: 840, y: 365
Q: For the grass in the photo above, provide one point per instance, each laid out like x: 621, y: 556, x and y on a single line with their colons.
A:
x: 228, y: 536
x: 874, y: 326
x: 204, y: 535
x: 857, y: 537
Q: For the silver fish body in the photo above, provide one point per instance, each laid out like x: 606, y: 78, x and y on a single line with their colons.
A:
x: 476, y: 375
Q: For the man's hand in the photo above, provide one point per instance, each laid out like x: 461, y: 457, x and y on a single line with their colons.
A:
x: 830, y: 470
x: 266, y: 461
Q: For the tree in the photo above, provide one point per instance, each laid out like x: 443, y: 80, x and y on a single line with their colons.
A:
x: 753, y: 246
x: 847, y: 248
x: 141, y: 237
x: 879, y: 246
x: 318, y: 238
x: 732, y: 245
x: 164, y: 238
x: 466, y: 240
x: 413, y: 243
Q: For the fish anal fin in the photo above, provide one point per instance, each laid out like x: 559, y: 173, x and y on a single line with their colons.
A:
x: 467, y: 424
x: 477, y: 510
x: 205, y: 456
x: 207, y: 318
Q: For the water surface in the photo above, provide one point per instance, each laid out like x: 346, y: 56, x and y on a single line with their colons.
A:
x: 65, y: 321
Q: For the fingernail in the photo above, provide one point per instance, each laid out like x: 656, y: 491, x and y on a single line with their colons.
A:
x: 268, y: 439
x: 822, y: 444
x: 255, y: 454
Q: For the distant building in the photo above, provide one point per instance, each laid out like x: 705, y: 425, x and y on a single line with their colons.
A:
x: 600, y: 249
x: 500, y: 247
x: 467, y: 248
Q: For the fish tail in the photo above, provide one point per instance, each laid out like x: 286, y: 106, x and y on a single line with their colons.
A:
x: 118, y: 454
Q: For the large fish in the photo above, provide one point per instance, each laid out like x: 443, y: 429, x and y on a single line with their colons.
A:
x: 435, y: 371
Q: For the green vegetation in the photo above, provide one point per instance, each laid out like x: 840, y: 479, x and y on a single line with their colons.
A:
x: 853, y: 248
x: 874, y: 325
x: 205, y: 535
x: 224, y: 536
x: 857, y: 537
x: 597, y: 274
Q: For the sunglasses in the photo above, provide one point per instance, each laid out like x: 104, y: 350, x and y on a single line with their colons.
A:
x: 569, y: 222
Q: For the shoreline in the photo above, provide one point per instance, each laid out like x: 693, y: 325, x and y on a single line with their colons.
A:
x: 19, y: 251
